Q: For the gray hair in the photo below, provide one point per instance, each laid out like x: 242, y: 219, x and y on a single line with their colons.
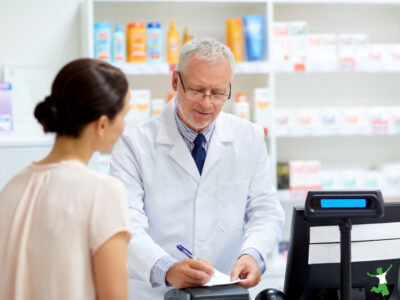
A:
x: 207, y: 49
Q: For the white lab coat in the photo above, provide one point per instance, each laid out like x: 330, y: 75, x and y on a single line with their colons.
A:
x: 230, y: 207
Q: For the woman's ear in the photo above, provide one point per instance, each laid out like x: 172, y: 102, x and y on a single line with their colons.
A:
x: 100, y: 125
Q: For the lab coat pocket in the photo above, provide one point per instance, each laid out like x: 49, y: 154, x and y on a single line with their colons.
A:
x: 232, y: 198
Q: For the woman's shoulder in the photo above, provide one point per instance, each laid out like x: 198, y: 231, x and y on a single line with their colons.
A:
x: 101, y: 180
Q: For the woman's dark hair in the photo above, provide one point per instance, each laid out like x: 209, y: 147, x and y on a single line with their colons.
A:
x: 82, y: 91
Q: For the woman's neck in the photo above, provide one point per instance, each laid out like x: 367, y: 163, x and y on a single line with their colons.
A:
x: 69, y: 148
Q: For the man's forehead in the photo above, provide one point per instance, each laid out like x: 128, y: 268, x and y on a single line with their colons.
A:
x: 218, y: 73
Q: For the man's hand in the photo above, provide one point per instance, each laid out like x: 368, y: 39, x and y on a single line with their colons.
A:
x: 189, y: 273
x: 246, y: 268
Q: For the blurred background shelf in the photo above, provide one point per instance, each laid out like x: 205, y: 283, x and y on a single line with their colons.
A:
x: 15, y: 141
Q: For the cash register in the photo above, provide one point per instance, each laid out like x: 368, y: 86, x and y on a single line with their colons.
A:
x: 219, y: 292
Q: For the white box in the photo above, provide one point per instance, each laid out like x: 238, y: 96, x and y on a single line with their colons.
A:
x: 392, y: 58
x: 321, y: 53
x: 304, y: 175
x: 298, y: 44
x: 351, y: 179
x: 330, y: 180
x: 280, y: 46
x: 391, y: 175
x: 375, y: 60
x: 312, y: 172
x: 307, y: 120
x: 242, y: 110
x: 355, y: 121
x: 157, y: 106
x: 284, y: 120
x: 360, y: 44
x: 262, y: 107
x: 346, y: 52
x: 394, y: 120
x: 331, y: 121
x: 140, y: 107
x: 379, y: 119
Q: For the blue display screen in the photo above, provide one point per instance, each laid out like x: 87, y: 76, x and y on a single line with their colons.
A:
x: 343, y: 203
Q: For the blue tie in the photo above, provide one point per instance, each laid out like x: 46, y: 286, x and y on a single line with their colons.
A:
x: 198, y: 152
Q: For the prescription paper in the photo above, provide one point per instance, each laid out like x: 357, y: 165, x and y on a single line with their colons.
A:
x: 220, y: 278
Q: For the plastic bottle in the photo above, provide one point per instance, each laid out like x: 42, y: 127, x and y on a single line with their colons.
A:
x: 154, y: 42
x: 187, y: 35
x: 254, y: 35
x: 241, y: 107
x: 173, y: 44
x: 102, y: 41
x: 118, y: 46
x: 234, y: 38
x: 241, y: 97
x: 136, y: 43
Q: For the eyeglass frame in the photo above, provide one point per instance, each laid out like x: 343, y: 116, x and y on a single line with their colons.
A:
x: 204, y: 95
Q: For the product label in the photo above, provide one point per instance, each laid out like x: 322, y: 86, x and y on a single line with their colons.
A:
x: 154, y: 46
x: 103, y: 46
x: 137, y: 47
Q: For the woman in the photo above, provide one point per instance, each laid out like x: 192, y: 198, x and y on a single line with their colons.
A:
x: 63, y: 227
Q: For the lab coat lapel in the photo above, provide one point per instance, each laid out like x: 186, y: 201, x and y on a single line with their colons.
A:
x: 221, y: 136
x: 168, y: 134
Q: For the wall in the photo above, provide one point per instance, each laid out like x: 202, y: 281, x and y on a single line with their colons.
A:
x: 39, y: 33
x: 43, y: 33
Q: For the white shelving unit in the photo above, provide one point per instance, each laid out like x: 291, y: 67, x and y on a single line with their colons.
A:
x: 378, y: 18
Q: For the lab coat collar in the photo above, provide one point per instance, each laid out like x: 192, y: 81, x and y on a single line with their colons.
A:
x: 168, y: 134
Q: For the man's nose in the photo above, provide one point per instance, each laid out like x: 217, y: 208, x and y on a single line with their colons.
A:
x: 207, y: 100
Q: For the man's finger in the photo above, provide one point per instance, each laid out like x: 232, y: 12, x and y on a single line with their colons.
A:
x: 237, y: 269
x: 197, y: 277
x: 200, y: 265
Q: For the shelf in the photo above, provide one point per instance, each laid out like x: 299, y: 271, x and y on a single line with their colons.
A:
x: 240, y: 68
x: 15, y: 141
x: 264, y: 1
x: 310, y: 134
x: 187, y: 1
x: 165, y: 69
x: 252, y: 68
x: 281, y: 71
x: 337, y: 1
x: 144, y: 69
x: 373, y: 82
x: 334, y: 68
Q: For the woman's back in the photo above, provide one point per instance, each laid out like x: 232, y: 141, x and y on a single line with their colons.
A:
x: 53, y: 218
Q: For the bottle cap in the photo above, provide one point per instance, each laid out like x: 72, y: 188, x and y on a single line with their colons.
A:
x: 101, y: 25
x: 136, y: 25
x: 118, y: 27
x: 153, y: 25
x: 241, y: 97
x: 173, y: 23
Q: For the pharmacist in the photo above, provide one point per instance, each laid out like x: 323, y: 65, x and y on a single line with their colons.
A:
x: 197, y: 177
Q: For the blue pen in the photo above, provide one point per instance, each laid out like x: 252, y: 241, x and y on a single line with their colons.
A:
x: 185, y: 251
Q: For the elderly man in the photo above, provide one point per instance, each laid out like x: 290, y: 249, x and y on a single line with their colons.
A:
x: 198, y: 177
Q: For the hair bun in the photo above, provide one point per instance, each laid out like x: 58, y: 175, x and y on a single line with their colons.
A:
x: 47, y: 114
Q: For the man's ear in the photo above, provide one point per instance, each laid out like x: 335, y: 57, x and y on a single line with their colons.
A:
x: 100, y: 125
x: 175, y: 81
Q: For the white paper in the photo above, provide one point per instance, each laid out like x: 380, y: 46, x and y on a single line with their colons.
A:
x: 220, y: 278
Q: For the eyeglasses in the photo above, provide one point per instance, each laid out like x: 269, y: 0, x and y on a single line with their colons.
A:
x: 198, y: 95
